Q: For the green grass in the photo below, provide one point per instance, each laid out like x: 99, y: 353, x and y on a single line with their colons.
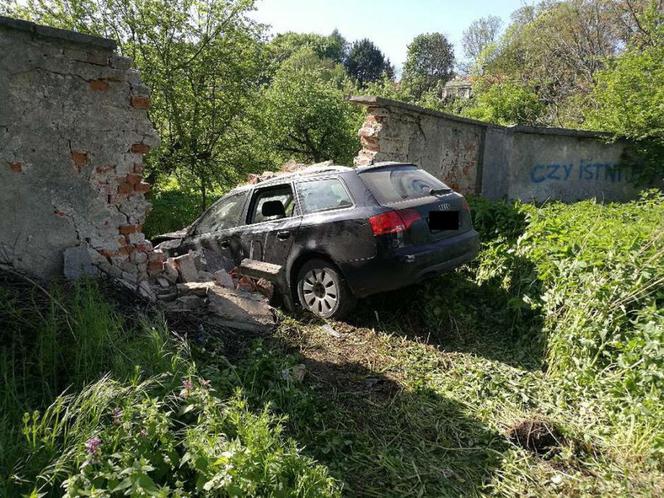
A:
x: 98, y: 398
x: 559, y: 319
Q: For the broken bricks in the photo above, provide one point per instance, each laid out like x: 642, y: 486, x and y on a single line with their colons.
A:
x: 186, y: 267
x: 229, y: 307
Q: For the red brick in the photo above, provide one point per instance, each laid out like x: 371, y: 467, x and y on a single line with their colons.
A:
x: 134, y: 179
x: 140, y: 102
x: 16, y: 167
x: 142, y: 187
x: 122, y: 241
x: 125, y: 188
x: 157, y: 255
x: 80, y: 158
x: 99, y: 85
x: 140, y: 148
x: 127, y: 229
x: 106, y: 253
x: 155, y: 266
x: 59, y: 213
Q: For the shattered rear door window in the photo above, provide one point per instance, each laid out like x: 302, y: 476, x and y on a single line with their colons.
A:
x: 281, y: 193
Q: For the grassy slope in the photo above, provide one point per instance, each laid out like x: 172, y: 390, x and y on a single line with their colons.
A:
x: 559, y: 319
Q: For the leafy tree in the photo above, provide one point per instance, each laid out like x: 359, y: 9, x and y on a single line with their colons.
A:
x: 507, y: 103
x: 202, y: 62
x: 629, y: 97
x: 306, y: 115
x: 429, y: 64
x: 557, y: 48
x: 333, y: 47
x: 366, y: 63
x: 479, y: 34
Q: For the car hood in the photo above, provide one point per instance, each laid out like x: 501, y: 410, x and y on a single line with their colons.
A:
x: 179, y: 234
x: 171, y: 240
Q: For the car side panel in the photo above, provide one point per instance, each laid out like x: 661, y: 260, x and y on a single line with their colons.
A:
x: 343, y: 236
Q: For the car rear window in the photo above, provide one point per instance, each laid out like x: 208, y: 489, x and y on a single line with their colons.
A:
x: 401, y: 183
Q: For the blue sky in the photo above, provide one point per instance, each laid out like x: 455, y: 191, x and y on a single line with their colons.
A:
x: 390, y: 24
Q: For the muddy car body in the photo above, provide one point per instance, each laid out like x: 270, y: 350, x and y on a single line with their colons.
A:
x: 327, y: 236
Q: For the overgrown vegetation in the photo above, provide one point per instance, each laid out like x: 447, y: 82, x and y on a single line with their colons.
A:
x: 559, y: 320
x: 95, y: 404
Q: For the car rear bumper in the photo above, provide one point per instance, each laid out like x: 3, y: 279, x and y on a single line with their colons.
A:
x: 409, y: 265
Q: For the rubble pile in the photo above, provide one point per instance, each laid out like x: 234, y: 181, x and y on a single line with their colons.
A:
x: 291, y: 166
x: 184, y: 284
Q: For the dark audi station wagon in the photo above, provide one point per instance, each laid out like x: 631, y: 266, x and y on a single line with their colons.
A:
x: 328, y: 236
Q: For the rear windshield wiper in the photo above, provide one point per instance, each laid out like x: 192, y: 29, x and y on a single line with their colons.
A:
x: 439, y: 191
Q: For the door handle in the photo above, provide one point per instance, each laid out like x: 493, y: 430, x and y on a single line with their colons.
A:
x: 283, y: 235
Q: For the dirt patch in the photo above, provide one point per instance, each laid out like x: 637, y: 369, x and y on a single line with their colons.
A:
x: 536, y: 435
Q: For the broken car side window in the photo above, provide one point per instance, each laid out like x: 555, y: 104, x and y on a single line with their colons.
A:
x: 323, y: 195
x: 223, y: 215
x: 272, y: 204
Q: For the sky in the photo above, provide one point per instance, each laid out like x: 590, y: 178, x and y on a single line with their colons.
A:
x: 390, y: 24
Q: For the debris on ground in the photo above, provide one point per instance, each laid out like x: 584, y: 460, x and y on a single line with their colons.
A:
x: 536, y: 435
x: 294, y: 374
x: 330, y: 330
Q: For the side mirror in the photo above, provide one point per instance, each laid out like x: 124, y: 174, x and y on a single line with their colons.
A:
x: 273, y: 208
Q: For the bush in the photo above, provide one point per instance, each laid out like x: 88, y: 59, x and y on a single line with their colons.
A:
x: 172, y: 210
x: 506, y: 103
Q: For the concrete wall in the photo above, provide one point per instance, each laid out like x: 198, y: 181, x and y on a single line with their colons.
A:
x: 532, y: 164
x: 73, y: 132
x: 566, y: 166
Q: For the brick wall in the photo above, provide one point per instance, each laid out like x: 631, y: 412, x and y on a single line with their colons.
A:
x: 73, y: 133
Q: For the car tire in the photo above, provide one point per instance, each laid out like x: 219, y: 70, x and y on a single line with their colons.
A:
x: 322, y: 290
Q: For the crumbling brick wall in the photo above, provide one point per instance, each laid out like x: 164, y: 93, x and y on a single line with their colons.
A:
x: 73, y: 133
x: 449, y: 149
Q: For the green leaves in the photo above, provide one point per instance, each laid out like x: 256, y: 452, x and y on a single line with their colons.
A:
x: 507, y: 103
x: 305, y: 113
x: 429, y: 64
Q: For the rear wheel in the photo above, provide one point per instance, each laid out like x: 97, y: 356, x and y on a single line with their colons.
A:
x: 322, y: 290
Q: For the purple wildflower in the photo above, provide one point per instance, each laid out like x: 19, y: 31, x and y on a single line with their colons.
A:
x: 187, y: 386
x: 92, y: 445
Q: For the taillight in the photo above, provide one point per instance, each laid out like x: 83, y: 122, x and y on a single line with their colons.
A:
x: 393, y: 221
x: 465, y: 205
x: 409, y: 216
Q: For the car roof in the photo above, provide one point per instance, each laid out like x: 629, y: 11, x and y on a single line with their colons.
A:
x: 313, y: 171
x: 287, y: 177
x: 383, y: 164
